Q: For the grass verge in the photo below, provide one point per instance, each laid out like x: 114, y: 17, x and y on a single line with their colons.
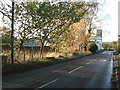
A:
x: 30, y: 65
x: 116, y: 72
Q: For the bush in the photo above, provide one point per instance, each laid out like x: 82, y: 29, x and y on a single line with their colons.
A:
x: 75, y: 54
x: 93, y: 48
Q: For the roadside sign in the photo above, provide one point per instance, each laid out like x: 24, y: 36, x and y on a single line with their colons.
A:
x: 29, y: 44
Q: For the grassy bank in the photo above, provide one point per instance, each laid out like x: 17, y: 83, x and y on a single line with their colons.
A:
x: 116, y: 72
x: 29, y: 65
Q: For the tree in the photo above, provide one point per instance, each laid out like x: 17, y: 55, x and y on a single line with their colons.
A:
x: 57, y: 18
x: 89, y: 18
x: 115, y: 45
x: 5, y: 34
x: 76, y: 35
x: 70, y: 15
x: 32, y: 18
x: 118, y: 49
x: 6, y: 38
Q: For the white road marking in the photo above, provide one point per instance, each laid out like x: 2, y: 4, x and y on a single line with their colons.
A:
x: 57, y: 79
x: 81, y: 66
x: 75, y: 69
x: 90, y: 61
x: 47, y: 84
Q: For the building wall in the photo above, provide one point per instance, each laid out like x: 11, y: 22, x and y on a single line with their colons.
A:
x: 99, y: 46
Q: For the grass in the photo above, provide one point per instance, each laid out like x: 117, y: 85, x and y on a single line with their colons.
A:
x: 116, y: 68
x: 30, y: 65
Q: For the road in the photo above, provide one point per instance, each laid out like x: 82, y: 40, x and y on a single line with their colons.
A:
x: 89, y: 72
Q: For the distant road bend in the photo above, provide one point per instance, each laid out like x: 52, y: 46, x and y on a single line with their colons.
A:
x: 89, y: 72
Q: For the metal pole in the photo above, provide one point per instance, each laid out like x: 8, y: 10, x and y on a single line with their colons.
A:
x: 12, y: 34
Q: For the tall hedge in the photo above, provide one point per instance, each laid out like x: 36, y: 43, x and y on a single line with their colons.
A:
x: 93, y: 48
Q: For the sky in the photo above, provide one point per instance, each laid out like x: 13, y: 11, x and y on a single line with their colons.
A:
x: 110, y: 23
x: 109, y: 14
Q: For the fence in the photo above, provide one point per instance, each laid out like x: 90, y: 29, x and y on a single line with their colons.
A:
x: 23, y: 54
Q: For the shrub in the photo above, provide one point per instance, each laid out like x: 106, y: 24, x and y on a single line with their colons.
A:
x: 93, y: 48
x: 75, y: 54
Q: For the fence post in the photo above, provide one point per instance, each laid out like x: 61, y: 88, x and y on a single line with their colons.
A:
x: 24, y: 52
x: 32, y: 53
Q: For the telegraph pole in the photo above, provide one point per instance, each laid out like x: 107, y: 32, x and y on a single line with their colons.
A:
x: 12, y: 34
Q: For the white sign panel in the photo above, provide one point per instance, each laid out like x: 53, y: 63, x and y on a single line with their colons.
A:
x: 29, y: 44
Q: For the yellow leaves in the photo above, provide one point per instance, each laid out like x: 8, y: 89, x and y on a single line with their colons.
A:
x: 76, y: 33
x: 76, y: 27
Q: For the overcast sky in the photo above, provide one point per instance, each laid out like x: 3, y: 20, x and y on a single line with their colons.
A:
x: 109, y: 14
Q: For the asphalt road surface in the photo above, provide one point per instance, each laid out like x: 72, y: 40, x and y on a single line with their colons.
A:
x: 89, y: 72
